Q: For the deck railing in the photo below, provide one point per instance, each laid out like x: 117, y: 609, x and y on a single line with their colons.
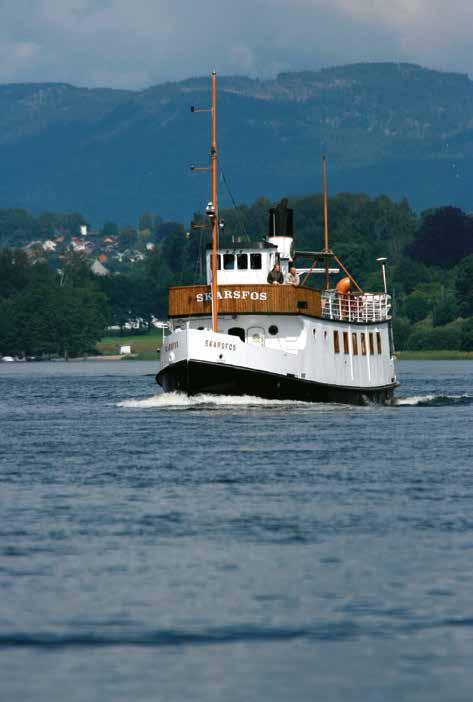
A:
x: 359, y: 307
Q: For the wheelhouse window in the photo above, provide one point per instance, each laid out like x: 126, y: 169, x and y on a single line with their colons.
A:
x: 371, y: 343
x: 354, y: 343
x: 255, y: 261
x: 336, y: 342
x: 346, y: 347
x: 242, y: 262
x: 219, y: 262
x: 363, y: 343
x: 378, y: 342
x: 228, y: 262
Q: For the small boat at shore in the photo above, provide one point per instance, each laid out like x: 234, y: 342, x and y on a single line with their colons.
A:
x: 251, y: 332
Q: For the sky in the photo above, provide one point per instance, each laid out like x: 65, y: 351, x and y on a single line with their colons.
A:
x: 137, y: 43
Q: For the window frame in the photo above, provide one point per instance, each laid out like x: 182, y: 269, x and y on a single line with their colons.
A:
x: 336, y: 341
x: 227, y: 256
x: 354, y: 343
x: 379, y: 342
x: 346, y: 343
x: 252, y: 258
x: 238, y: 258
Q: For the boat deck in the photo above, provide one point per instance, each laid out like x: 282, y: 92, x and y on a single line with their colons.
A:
x: 195, y: 301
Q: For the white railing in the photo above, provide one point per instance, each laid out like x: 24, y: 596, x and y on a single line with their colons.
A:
x: 359, y: 307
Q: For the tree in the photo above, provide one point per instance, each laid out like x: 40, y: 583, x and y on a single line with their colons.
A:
x: 76, y: 272
x: 401, y: 332
x: 441, y: 339
x: 417, y: 306
x: 15, y: 272
x: 57, y: 321
x: 444, y: 238
x: 444, y: 311
x: 464, y: 286
x: 467, y: 335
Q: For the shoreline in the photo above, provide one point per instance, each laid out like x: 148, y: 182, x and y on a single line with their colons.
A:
x: 434, y: 355
x: 154, y: 356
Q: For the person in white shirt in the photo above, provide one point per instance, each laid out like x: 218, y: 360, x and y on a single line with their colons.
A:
x: 292, y: 278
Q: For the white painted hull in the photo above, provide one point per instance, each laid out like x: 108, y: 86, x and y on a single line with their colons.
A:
x: 303, y: 351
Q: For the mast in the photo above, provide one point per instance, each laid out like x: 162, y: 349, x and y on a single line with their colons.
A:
x: 326, y: 249
x: 213, y: 156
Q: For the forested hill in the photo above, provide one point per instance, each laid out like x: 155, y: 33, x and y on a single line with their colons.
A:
x: 397, y: 129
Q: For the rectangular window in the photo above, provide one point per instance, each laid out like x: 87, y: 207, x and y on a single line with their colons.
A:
x: 255, y: 262
x: 354, y: 343
x: 378, y: 342
x: 219, y: 263
x: 346, y: 347
x: 336, y: 342
x: 363, y: 344
x: 229, y: 262
x: 371, y: 343
x: 242, y: 262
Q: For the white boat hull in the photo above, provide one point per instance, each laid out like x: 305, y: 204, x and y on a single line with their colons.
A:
x: 201, y: 361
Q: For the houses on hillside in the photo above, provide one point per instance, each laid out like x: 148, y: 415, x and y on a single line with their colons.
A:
x: 104, y: 253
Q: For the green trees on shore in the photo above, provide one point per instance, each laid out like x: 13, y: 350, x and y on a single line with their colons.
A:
x: 44, y: 312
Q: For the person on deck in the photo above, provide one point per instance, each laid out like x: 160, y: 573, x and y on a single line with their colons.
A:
x: 292, y: 277
x: 275, y: 277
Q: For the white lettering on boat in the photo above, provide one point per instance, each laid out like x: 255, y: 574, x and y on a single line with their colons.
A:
x: 253, y: 295
x: 224, y: 345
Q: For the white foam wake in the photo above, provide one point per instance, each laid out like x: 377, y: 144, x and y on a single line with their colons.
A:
x: 433, y: 400
x: 170, y: 400
x: 414, y: 400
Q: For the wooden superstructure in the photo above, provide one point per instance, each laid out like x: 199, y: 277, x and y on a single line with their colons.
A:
x: 195, y: 300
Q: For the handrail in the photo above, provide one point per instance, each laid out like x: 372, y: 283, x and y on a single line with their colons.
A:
x: 356, y: 307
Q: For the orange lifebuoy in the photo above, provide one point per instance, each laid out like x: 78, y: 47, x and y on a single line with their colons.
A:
x: 343, y: 286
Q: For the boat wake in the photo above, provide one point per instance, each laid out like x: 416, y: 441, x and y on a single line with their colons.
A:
x: 179, y: 400
x: 432, y: 400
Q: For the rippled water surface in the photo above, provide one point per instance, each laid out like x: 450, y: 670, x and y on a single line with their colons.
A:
x: 159, y: 548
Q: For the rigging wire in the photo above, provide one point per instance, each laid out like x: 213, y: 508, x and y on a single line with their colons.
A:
x: 235, y: 206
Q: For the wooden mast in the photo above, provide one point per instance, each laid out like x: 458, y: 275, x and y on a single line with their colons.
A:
x: 326, y: 249
x: 213, y: 155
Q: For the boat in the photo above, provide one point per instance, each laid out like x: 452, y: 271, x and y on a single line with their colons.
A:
x: 238, y: 334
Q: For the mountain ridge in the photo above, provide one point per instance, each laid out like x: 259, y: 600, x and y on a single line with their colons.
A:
x: 395, y: 129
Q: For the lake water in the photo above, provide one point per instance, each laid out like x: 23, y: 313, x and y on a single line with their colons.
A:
x: 159, y: 548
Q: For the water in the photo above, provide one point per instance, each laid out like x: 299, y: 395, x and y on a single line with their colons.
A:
x: 160, y: 548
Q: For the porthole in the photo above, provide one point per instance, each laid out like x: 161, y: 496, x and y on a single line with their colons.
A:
x: 273, y: 330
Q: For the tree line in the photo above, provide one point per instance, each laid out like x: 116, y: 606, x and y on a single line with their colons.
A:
x: 47, y: 312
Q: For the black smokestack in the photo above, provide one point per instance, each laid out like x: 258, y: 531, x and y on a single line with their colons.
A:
x: 281, y: 220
